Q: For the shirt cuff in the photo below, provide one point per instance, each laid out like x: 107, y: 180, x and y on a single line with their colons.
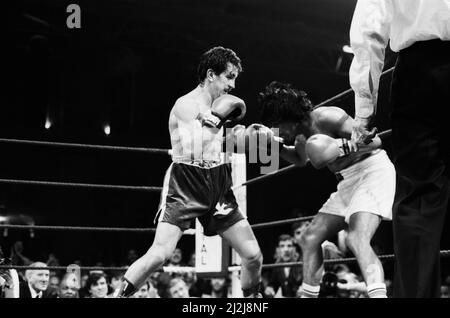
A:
x: 364, y: 107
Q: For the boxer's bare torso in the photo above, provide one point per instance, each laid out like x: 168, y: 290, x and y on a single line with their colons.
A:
x: 190, y: 140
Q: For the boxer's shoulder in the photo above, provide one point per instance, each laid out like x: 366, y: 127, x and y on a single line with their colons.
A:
x: 328, y: 114
x: 186, y: 107
x: 329, y: 120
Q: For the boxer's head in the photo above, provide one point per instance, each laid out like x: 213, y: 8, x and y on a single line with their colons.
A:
x: 285, y: 108
x: 218, y: 69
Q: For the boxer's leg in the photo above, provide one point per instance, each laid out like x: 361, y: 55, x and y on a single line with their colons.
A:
x: 362, y: 227
x: 166, y: 238
x: 240, y: 236
x: 321, y: 228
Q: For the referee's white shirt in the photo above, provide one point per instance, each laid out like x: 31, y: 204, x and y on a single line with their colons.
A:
x: 374, y: 23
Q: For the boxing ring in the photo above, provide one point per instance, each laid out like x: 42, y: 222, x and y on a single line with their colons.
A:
x: 171, y: 269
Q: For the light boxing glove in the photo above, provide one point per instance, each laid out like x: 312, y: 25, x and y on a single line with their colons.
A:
x: 323, y: 150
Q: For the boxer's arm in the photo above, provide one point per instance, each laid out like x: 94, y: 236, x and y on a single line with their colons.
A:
x: 337, y: 122
x: 295, y: 154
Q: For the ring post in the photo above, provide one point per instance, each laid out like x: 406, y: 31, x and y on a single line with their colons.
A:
x: 239, y: 175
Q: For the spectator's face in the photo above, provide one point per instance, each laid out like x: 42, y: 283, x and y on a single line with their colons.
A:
x: 115, y: 282
x: 217, y: 284
x: 39, y: 279
x: 286, y: 250
x: 68, y: 289
x: 176, y: 256
x: 99, y: 289
x: 179, y: 290
x: 54, y: 282
x: 142, y: 292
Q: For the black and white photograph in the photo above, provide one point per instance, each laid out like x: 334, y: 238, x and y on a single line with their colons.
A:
x: 246, y: 150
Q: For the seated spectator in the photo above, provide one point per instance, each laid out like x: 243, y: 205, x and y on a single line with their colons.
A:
x: 284, y: 281
x: 53, y: 285
x: 116, y: 279
x: 36, y: 283
x: 178, y: 288
x: 17, y: 257
x: 97, y: 285
x: 9, y: 279
x: 52, y: 260
x: 218, y: 288
x: 176, y: 259
x: 146, y: 291
x: 69, y: 286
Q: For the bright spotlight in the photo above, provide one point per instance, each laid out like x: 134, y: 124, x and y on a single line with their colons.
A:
x: 107, y: 130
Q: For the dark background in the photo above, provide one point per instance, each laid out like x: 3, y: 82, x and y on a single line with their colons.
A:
x: 125, y: 67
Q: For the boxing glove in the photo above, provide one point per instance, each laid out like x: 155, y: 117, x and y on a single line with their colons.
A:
x: 322, y: 149
x: 228, y: 108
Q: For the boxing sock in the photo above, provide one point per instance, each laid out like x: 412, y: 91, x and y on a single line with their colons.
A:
x: 127, y: 289
x: 377, y: 290
x: 308, y: 291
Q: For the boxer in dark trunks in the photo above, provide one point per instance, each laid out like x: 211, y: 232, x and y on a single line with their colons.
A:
x: 198, y: 182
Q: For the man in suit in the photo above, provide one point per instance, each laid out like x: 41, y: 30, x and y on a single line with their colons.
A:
x: 36, y: 283
x: 285, y: 280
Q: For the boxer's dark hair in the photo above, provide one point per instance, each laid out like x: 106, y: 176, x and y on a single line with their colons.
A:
x: 280, y: 102
x: 216, y: 59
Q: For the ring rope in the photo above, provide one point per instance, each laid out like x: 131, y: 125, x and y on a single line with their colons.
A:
x: 85, y: 228
x: 264, y: 176
x: 144, y: 230
x: 76, y: 228
x: 281, y: 222
x: 85, y: 146
x: 346, y: 92
x: 81, y: 185
x: 170, y: 269
x: 188, y: 269
x: 387, y: 257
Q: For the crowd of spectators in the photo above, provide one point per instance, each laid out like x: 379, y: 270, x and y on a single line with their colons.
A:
x: 339, y: 281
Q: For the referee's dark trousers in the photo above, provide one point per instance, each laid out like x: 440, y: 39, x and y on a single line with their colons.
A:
x: 420, y: 96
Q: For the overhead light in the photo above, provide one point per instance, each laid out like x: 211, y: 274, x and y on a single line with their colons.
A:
x: 347, y: 49
x: 48, y: 123
x: 107, y: 130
